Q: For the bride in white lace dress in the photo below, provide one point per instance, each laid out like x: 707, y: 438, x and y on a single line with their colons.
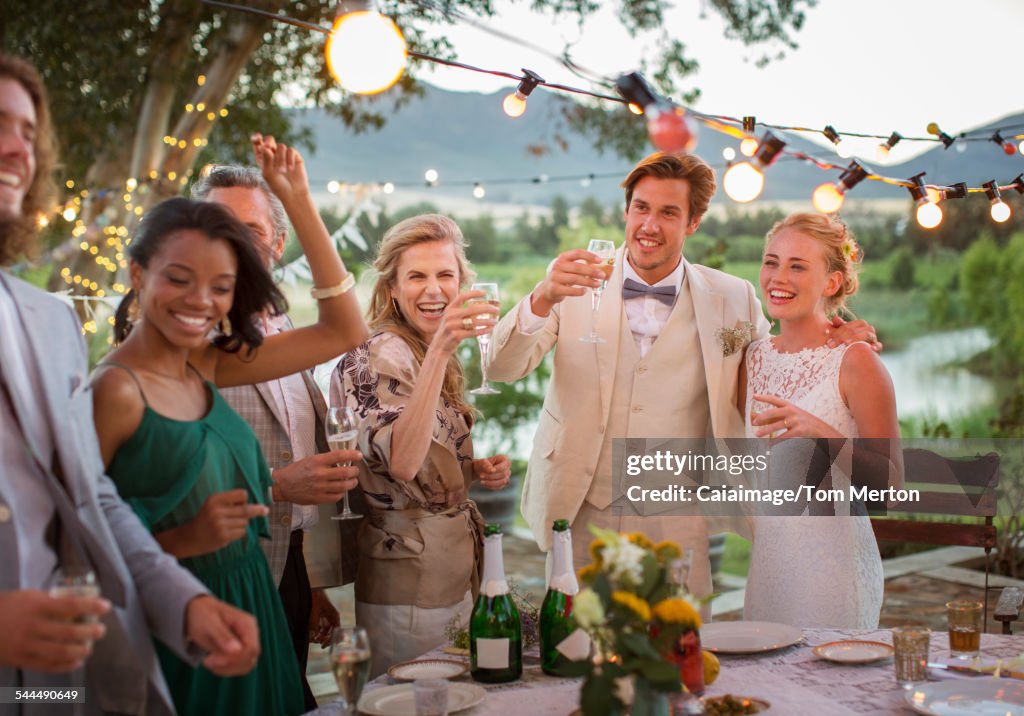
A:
x: 806, y: 570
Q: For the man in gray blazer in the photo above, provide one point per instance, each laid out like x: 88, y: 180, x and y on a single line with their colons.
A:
x: 57, y: 508
x: 307, y: 550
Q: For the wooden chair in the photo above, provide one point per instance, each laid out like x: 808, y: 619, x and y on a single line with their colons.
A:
x: 962, y: 487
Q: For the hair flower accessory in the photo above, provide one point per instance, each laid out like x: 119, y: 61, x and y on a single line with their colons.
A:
x: 851, y: 251
x: 732, y: 340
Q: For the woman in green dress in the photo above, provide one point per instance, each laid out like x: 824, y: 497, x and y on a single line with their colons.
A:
x: 187, y: 463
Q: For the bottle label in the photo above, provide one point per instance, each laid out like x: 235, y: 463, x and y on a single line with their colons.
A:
x: 576, y: 646
x: 492, y: 653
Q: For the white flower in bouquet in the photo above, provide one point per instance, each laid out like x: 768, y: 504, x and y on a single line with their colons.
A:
x: 622, y: 560
x: 587, y: 609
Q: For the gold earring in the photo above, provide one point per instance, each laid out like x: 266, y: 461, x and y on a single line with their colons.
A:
x: 133, y: 309
x: 225, y: 326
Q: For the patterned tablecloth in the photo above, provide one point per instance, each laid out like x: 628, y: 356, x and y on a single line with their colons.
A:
x: 793, y: 680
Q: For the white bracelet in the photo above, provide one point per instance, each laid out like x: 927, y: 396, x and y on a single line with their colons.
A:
x: 345, y: 286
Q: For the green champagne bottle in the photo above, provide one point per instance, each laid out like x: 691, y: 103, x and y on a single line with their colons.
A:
x: 495, y: 633
x: 556, y: 622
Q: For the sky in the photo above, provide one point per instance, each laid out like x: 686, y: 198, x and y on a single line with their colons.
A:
x: 866, y: 66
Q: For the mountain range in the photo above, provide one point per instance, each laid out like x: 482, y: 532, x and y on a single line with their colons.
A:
x: 467, y: 138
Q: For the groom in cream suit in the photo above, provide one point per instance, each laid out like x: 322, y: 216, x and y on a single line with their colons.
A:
x: 57, y: 509
x: 660, y: 371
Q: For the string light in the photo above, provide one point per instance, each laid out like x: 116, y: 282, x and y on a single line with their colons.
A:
x: 1018, y: 183
x: 478, y: 191
x: 999, y: 210
x: 843, y: 150
x: 946, y: 140
x: 669, y: 126
x: 1007, y: 147
x: 728, y: 154
x: 748, y: 147
x: 744, y: 182
x: 430, y: 177
x: 929, y: 213
x: 366, y: 52
x: 828, y: 198
x: 515, y: 102
x: 885, y: 147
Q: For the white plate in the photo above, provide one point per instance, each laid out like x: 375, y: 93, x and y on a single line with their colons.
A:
x: 853, y: 651
x: 978, y: 696
x: 399, y: 700
x: 428, y: 669
x: 747, y: 637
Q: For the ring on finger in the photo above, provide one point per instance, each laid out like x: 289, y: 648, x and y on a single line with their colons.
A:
x: 785, y: 423
x: 467, y: 323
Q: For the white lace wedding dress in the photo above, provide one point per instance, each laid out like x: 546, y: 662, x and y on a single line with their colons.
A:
x: 811, y: 571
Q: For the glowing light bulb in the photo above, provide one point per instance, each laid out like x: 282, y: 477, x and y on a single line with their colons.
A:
x: 933, y: 195
x: 929, y: 215
x: 743, y: 182
x: 670, y: 129
x: 635, y: 108
x: 748, y: 147
x: 728, y: 154
x: 333, y: 186
x: 479, y: 192
x: 827, y: 198
x: 933, y: 128
x: 69, y: 214
x: 389, y: 188
x: 882, y: 153
x: 514, y: 104
x: 1020, y: 147
x: 844, y: 150
x: 366, y: 52
x: 961, y: 146
x: 1009, y: 149
x: 1000, y: 211
x: 430, y: 176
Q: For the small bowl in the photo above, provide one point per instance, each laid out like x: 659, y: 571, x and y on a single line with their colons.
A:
x: 758, y: 705
x: 428, y: 669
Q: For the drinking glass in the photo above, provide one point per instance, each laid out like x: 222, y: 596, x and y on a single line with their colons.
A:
x: 911, y: 657
x: 605, y: 251
x: 964, y: 628
x: 490, y: 296
x: 350, y: 661
x: 76, y: 582
x: 342, y: 429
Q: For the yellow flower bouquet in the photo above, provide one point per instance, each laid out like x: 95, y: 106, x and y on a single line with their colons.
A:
x: 636, y: 611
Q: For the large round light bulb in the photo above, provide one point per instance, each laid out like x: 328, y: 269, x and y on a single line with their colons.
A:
x: 514, y: 104
x: 670, y: 129
x: 479, y: 192
x: 844, y: 150
x: 827, y: 198
x: 1020, y: 147
x: 929, y: 215
x: 743, y: 182
x: 430, y: 176
x: 366, y: 52
x: 748, y: 147
x: 1000, y: 211
x: 882, y: 153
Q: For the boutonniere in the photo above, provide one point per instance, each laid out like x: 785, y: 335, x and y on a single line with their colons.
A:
x: 731, y: 340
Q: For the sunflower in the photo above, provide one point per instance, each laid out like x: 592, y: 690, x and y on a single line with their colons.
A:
x: 586, y: 574
x: 667, y: 549
x: 596, y: 550
x: 633, y: 603
x: 676, y: 611
x: 640, y: 540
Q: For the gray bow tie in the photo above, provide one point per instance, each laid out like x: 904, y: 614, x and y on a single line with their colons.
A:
x: 634, y: 289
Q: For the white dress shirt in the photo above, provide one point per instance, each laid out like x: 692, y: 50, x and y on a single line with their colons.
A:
x: 29, y: 503
x: 646, y: 315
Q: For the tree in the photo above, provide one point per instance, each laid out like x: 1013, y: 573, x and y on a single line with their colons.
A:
x: 142, y: 92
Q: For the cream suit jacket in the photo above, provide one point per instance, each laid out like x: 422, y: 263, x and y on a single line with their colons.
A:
x: 578, y: 401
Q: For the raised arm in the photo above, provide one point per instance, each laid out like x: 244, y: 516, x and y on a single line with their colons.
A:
x: 339, y: 326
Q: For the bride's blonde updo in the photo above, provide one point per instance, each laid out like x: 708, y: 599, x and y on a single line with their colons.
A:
x: 842, y: 252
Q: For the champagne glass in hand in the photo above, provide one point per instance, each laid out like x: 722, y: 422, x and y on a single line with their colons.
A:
x: 342, y: 430
x: 76, y: 582
x: 490, y: 296
x: 605, y: 251
x: 350, y: 660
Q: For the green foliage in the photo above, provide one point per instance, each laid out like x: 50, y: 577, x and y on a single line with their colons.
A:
x: 577, y: 237
x: 902, y: 276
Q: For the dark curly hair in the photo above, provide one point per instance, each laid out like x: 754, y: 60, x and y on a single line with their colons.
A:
x: 17, y: 238
x: 254, y: 288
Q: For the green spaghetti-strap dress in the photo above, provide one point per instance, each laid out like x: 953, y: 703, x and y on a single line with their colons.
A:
x: 166, y: 470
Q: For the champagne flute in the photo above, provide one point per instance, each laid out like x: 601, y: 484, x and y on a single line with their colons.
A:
x: 350, y: 661
x: 605, y: 251
x: 490, y: 296
x: 76, y: 582
x: 342, y: 429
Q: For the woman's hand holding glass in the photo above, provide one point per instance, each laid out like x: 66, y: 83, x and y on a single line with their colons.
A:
x: 491, y: 299
x: 464, y: 320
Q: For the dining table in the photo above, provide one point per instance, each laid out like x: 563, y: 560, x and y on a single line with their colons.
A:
x: 794, y: 680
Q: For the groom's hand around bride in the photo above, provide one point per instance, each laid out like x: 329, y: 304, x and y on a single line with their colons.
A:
x: 785, y: 420
x: 571, y: 274
x: 859, y: 330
